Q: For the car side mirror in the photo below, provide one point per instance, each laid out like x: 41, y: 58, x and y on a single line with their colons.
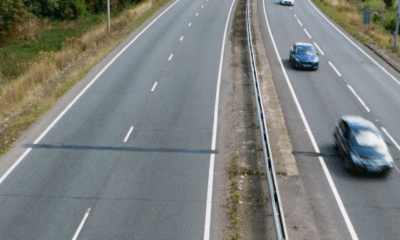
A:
x: 292, y: 51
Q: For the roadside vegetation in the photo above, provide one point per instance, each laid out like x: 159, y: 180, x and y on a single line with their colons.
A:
x: 349, y: 14
x: 45, y: 48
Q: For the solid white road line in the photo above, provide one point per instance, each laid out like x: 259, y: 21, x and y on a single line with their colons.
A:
x: 181, y: 38
x: 154, y: 87
x: 299, y: 22
x: 358, y: 97
x: 190, y: 24
x: 319, y: 49
x: 390, y: 75
x: 395, y: 143
x: 214, y: 135
x: 128, y: 134
x: 170, y: 57
x: 202, y: 6
x: 79, y: 95
x: 311, y: 136
x: 295, y: 16
x: 307, y: 33
x: 197, y: 14
x: 81, y: 225
x: 334, y: 68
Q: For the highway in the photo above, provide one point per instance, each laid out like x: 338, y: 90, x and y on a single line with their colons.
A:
x: 129, y: 152
x: 351, y: 80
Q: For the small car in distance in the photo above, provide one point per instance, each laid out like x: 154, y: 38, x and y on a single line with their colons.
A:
x: 361, y: 146
x: 303, y: 55
x: 286, y: 2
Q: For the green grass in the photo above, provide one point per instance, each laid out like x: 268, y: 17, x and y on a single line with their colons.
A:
x: 234, y: 218
x: 18, y: 56
x: 30, y: 115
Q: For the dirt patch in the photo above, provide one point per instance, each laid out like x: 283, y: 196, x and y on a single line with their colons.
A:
x: 243, y: 204
x: 243, y: 210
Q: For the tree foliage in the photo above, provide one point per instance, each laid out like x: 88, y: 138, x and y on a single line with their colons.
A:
x: 59, y: 9
x: 12, y: 15
x: 72, y: 9
x: 388, y: 3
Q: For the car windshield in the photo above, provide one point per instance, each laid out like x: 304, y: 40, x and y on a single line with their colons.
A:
x: 370, y: 139
x: 305, y: 51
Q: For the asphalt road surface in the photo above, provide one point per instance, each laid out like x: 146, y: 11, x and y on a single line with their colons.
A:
x: 130, y: 158
x: 351, y: 80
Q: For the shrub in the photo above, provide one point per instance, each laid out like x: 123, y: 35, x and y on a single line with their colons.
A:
x: 59, y: 9
x: 390, y: 24
x: 41, y: 8
x: 12, y: 15
x: 374, y: 5
x: 388, y: 3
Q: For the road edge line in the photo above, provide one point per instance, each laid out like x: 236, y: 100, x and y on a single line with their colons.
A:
x: 214, y: 135
x: 5, y: 175
x: 311, y: 136
x: 344, y: 35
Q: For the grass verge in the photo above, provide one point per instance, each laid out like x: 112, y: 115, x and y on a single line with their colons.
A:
x: 26, y: 98
x: 349, y: 15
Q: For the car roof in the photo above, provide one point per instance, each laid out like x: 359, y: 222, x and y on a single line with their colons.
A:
x: 300, y: 44
x: 358, y: 123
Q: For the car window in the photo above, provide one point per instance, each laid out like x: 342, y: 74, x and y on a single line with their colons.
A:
x: 305, y: 51
x: 369, y: 139
x: 344, y: 128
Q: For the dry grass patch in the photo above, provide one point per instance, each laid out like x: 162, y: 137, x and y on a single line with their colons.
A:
x: 25, y: 98
x: 349, y: 14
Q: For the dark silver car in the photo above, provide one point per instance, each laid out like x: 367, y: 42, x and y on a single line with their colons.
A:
x: 361, y: 146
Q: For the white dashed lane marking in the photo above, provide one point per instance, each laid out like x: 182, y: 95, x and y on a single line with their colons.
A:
x: 307, y: 33
x: 81, y: 225
x: 128, y: 134
x: 299, y: 22
x: 358, y: 97
x: 334, y: 68
x: 319, y: 49
x: 154, y: 87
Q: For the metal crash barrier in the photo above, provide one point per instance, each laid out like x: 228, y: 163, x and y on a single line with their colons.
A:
x: 276, y: 205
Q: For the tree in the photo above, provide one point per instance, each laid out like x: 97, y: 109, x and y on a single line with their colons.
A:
x: 388, y: 3
x: 41, y: 8
x: 59, y: 9
x: 12, y: 15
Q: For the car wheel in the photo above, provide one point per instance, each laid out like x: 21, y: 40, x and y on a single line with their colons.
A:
x: 293, y: 64
x: 347, y: 166
x: 335, y: 144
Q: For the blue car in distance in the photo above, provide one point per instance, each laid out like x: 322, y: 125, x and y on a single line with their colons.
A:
x: 286, y: 2
x: 361, y: 146
x: 303, y: 55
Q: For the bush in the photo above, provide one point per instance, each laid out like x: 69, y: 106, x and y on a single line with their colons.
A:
x: 70, y: 9
x: 12, y: 15
x: 374, y: 5
x: 96, y: 6
x: 388, y: 3
x: 42, y: 8
x: 390, y: 24
x: 59, y: 9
